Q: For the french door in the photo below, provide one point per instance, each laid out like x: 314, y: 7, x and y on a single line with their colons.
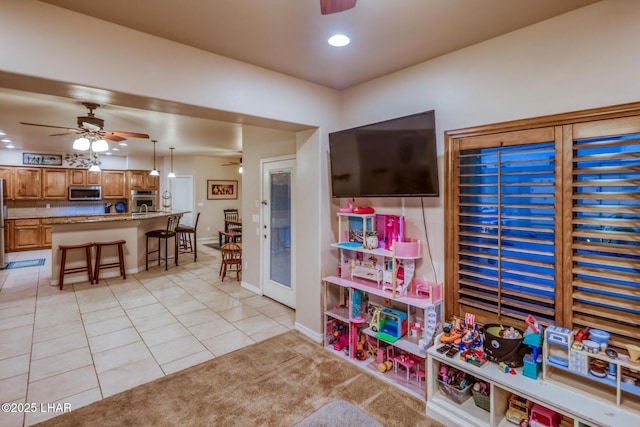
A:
x: 277, y: 231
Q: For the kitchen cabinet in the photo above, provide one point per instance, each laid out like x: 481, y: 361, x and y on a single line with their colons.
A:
x: 141, y: 180
x: 26, y: 234
x: 54, y: 184
x: 77, y: 176
x: 83, y: 177
x: 6, y: 173
x: 94, y: 178
x: 113, y: 184
x: 27, y: 183
x: 45, y: 233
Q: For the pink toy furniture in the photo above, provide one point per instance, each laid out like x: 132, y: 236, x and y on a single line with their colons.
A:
x: 543, y: 417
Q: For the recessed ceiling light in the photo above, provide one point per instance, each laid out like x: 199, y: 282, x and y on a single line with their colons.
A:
x: 2, y: 133
x: 339, y: 40
x: 5, y: 140
x: 10, y: 146
x: 108, y: 153
x: 123, y: 144
x: 115, y: 149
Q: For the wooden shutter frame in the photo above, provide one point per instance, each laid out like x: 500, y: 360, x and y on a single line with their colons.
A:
x: 564, y: 125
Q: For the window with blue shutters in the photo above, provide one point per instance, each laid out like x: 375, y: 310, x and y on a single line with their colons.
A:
x: 545, y: 220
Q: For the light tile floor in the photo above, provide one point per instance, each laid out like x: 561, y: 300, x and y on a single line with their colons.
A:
x: 86, y: 343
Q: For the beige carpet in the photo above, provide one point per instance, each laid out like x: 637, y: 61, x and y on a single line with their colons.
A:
x: 277, y: 382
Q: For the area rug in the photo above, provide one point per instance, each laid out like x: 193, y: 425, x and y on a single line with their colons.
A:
x: 339, y: 414
x: 277, y: 382
x: 27, y: 263
x: 212, y: 245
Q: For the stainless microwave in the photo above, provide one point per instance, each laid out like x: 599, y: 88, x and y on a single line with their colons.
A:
x: 141, y: 198
x: 85, y: 192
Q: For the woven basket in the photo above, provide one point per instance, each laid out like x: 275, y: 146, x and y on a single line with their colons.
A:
x: 481, y: 400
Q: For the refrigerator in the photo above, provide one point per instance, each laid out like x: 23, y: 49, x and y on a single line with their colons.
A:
x: 3, y: 217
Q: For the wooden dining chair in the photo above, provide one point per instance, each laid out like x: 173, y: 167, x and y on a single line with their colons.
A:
x: 231, y: 260
x: 231, y: 215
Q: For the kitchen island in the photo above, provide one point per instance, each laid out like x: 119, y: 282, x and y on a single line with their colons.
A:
x: 128, y: 227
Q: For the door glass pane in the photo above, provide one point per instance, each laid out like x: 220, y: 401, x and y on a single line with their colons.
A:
x: 280, y: 244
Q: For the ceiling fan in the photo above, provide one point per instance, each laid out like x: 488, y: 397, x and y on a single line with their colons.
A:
x: 238, y: 163
x: 92, y: 126
x: 328, y: 7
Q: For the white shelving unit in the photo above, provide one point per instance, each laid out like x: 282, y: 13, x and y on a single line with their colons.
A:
x: 583, y: 406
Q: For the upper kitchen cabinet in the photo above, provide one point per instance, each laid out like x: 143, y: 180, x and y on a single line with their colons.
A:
x: 27, y: 183
x: 54, y: 184
x: 113, y: 185
x: 6, y: 173
x: 141, y: 180
x: 83, y: 177
x: 77, y: 177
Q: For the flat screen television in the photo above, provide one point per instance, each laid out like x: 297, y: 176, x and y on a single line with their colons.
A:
x: 394, y: 158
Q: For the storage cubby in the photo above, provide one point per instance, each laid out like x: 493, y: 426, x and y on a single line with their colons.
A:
x: 579, y: 406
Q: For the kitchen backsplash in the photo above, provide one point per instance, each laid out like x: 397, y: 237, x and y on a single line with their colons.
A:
x: 50, y: 208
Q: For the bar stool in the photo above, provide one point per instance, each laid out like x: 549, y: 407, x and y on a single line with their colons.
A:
x: 185, y: 232
x: 166, y: 234
x: 63, y: 263
x: 119, y: 264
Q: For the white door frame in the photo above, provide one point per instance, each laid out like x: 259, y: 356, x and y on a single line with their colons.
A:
x: 266, y: 287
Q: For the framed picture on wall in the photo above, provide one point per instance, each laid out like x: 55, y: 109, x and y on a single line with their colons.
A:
x: 42, y: 159
x: 221, y: 190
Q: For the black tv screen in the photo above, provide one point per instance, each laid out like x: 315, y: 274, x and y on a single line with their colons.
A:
x: 394, y: 158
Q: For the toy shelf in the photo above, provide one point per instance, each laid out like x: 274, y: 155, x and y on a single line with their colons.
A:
x: 585, y: 407
x: 356, y: 246
x: 420, y: 301
x: 406, y: 343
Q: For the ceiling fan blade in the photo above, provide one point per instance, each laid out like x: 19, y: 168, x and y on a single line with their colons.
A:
x: 75, y: 132
x: 50, y: 126
x: 114, y: 138
x: 328, y: 7
x: 129, y: 134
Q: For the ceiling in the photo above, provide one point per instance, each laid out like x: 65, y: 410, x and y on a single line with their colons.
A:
x: 287, y: 36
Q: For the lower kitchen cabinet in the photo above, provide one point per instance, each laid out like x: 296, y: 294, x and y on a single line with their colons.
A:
x: 26, y: 234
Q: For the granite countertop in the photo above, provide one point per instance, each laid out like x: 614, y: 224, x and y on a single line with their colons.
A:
x: 37, y: 216
x: 114, y: 217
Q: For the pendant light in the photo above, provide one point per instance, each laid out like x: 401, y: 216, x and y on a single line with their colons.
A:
x: 171, y: 174
x: 94, y: 164
x: 154, y: 172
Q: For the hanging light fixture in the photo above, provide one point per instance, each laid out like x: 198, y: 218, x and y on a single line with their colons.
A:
x: 82, y: 144
x: 154, y: 172
x: 99, y: 145
x: 171, y: 174
x: 94, y: 164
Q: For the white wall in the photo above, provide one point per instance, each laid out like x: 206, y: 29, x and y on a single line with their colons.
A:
x: 583, y: 59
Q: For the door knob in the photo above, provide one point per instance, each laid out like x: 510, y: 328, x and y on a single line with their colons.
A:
x: 264, y: 202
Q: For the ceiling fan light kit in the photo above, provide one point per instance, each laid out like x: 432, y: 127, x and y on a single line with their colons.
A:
x: 82, y: 144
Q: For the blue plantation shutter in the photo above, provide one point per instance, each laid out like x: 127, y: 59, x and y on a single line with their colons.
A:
x: 605, y: 224
x: 507, y: 231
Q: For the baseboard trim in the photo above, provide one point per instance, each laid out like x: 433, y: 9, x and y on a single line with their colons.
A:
x: 251, y: 288
x: 313, y: 335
